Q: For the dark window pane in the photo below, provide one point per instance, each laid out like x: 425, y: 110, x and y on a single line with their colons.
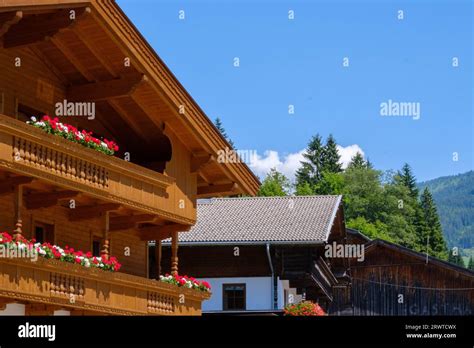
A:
x: 96, y: 248
x: 39, y: 234
x: 234, y: 297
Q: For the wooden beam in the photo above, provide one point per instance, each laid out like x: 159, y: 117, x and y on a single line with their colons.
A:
x: 7, y: 19
x: 216, y: 190
x: 8, y: 185
x: 92, y: 211
x: 47, y: 199
x: 102, y: 58
x: 35, y: 28
x: 132, y: 218
x: 198, y: 162
x: 161, y: 232
x: 105, y: 90
x: 122, y: 223
x: 72, y: 58
x: 46, y: 61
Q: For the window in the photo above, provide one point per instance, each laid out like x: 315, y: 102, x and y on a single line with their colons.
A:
x: 44, y: 233
x: 234, y: 296
x: 25, y: 112
x: 96, y: 245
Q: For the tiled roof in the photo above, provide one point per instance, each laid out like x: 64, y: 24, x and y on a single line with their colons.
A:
x: 305, y: 219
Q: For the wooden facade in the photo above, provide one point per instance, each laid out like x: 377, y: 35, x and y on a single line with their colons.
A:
x: 88, y: 51
x: 393, y: 280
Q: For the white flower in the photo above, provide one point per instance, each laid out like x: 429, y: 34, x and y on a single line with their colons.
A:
x: 33, y: 118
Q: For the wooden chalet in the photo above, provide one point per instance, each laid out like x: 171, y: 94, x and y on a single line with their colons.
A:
x: 394, y: 280
x: 261, y: 253
x: 54, y: 190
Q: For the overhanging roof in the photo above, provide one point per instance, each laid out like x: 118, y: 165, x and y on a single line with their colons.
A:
x: 198, y: 132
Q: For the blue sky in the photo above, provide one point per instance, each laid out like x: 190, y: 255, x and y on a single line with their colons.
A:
x: 300, y: 62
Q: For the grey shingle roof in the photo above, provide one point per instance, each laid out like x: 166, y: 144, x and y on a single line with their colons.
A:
x: 305, y: 219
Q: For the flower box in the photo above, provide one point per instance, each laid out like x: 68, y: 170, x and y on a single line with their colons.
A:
x: 29, y: 248
x: 186, y: 282
x: 71, y: 133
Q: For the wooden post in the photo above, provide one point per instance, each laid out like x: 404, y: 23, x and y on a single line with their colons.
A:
x: 18, y: 203
x: 174, y: 253
x: 105, y: 249
x: 158, y: 258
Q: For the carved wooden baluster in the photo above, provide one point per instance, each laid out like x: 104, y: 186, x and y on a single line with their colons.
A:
x: 96, y: 175
x: 64, y: 164
x: 52, y: 285
x: 59, y: 162
x: 48, y: 158
x: 16, y: 148
x: 73, y: 167
x: 40, y: 159
x: 174, y: 253
x: 105, y: 250
x: 83, y: 170
x: 81, y: 289
x: 22, y: 149
x: 53, y: 160
x: 32, y: 152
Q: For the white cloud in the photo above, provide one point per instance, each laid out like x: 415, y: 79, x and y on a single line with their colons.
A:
x: 347, y: 153
x: 289, y: 164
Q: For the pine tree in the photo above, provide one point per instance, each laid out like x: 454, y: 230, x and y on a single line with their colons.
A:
x: 357, y: 161
x: 471, y: 264
x: 456, y: 259
x: 431, y: 219
x: 220, y: 127
x: 331, y: 158
x: 311, y: 170
x: 409, y: 180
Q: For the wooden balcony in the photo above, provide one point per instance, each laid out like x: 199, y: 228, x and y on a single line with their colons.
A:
x: 56, y: 284
x: 31, y: 152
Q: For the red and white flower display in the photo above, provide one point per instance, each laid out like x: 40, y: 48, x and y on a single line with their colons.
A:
x: 71, y: 133
x: 186, y: 282
x: 304, y: 309
x: 67, y: 254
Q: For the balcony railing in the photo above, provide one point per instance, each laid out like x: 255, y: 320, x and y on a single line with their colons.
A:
x: 30, y: 151
x: 74, y: 287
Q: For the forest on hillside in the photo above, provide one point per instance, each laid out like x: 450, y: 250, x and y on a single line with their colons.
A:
x: 454, y: 197
x: 387, y: 205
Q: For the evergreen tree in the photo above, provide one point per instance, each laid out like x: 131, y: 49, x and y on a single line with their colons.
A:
x: 437, y: 244
x: 409, y: 180
x: 471, y: 264
x: 312, y: 167
x: 357, y: 161
x: 275, y: 184
x: 331, y: 157
x: 456, y: 259
x: 220, y: 127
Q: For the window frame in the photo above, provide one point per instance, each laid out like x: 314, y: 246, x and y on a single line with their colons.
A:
x: 224, y: 297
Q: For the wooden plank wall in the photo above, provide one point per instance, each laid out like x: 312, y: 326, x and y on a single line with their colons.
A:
x: 379, y: 281
x: 216, y: 261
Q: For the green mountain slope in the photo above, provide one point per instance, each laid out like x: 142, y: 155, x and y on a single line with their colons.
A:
x: 454, y: 197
